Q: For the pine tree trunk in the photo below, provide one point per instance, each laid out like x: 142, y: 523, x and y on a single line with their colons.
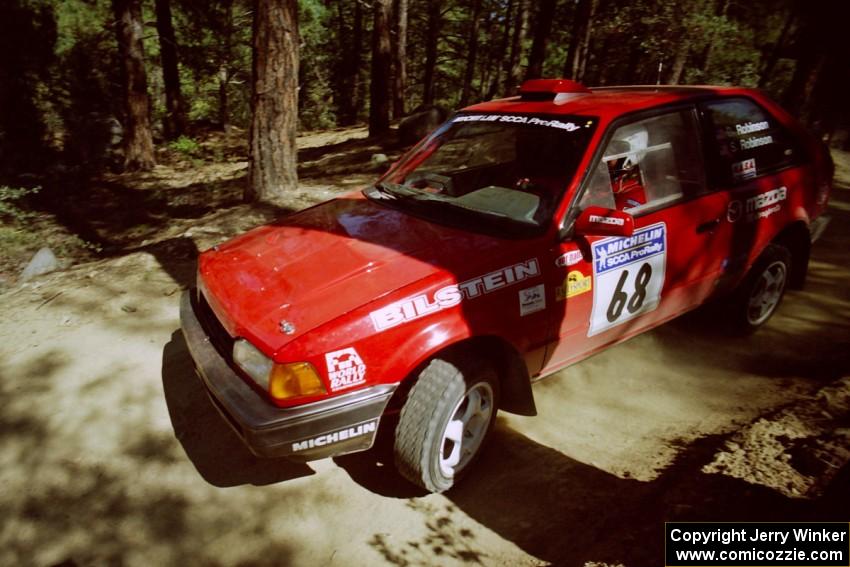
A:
x: 578, y: 53
x: 138, y: 140
x: 585, y: 43
x: 721, y: 10
x: 576, y: 33
x: 274, y: 100
x: 514, y: 74
x: 431, y: 40
x: 490, y: 30
x: 224, y: 72
x: 358, y: 94
x: 223, y: 104
x: 503, y: 46
x: 472, y: 53
x: 771, y: 60
x: 174, y: 123
x: 351, y: 60
x: 542, y: 29
x: 379, y: 100
x: 797, y: 96
x: 677, y: 70
x: 400, y: 62
x: 602, y: 74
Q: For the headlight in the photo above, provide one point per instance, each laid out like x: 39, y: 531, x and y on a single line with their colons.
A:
x: 253, y: 362
x: 281, y: 381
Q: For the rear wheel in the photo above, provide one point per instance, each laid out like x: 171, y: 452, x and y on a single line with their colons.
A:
x: 762, y: 290
x: 445, y: 421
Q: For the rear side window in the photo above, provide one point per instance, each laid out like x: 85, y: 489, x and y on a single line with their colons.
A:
x: 647, y: 164
x: 745, y: 141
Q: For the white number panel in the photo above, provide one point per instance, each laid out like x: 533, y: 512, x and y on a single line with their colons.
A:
x: 629, y: 274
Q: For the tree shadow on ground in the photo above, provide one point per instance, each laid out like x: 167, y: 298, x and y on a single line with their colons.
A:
x: 375, y: 469
x: 582, y: 514
x: 177, y: 256
x: 569, y: 513
x: 217, y: 453
x: 114, y: 215
x: 349, y: 156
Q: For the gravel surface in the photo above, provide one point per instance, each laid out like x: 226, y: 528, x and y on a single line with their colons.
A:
x: 110, y: 453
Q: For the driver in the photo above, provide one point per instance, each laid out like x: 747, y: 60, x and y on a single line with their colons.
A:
x: 623, y: 162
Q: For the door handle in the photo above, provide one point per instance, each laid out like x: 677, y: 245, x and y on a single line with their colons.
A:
x: 708, y: 226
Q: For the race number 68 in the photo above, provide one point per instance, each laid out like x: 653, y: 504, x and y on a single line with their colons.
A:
x: 620, y: 299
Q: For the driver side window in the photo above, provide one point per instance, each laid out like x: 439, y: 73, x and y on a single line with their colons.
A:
x: 647, y: 164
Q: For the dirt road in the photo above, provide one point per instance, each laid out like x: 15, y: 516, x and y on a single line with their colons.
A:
x: 111, y: 454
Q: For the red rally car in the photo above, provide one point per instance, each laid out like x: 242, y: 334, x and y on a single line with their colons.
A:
x: 522, y: 236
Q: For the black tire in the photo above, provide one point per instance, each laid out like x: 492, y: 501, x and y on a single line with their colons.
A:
x: 760, y: 293
x: 424, y: 451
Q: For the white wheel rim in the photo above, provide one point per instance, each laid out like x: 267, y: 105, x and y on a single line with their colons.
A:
x: 766, y: 293
x: 466, y: 429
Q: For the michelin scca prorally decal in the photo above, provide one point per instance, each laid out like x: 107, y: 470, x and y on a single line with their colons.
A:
x: 629, y: 274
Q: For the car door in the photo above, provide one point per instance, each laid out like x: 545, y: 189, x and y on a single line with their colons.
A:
x: 614, y: 287
x: 755, y: 162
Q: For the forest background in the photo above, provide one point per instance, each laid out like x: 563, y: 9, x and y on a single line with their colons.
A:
x: 94, y: 86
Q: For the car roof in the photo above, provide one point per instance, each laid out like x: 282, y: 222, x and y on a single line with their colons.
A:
x: 605, y: 102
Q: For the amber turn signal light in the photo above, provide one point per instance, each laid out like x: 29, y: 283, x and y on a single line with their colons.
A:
x: 295, y: 380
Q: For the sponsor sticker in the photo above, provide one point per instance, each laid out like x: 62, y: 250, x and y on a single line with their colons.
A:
x: 751, y: 127
x: 765, y: 204
x: 332, y: 437
x: 607, y: 220
x: 420, y: 305
x: 575, y: 284
x: 532, y: 300
x: 629, y: 274
x: 759, y: 206
x: 744, y: 169
x: 568, y: 259
x: 345, y: 368
x: 766, y: 199
x: 530, y: 120
x: 756, y: 142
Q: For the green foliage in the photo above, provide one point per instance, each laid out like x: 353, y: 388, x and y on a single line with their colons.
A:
x: 202, y: 108
x: 14, y: 240
x: 185, y: 145
x: 10, y: 203
x: 315, y: 67
x: 214, y: 40
x: 60, y: 73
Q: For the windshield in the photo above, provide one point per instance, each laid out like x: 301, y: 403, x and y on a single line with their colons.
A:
x: 496, y: 167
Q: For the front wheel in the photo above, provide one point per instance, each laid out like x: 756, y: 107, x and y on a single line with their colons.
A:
x: 762, y: 290
x: 445, y: 421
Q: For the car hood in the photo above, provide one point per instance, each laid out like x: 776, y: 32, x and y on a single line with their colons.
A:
x: 321, y: 263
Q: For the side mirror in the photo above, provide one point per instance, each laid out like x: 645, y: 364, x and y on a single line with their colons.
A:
x: 599, y: 221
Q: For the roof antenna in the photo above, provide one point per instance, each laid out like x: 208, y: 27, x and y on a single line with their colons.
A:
x: 660, y: 67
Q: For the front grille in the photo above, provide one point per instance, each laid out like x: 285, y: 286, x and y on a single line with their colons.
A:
x: 219, y: 338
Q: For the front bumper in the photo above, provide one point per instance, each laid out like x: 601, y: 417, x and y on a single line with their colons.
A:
x: 342, y: 424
